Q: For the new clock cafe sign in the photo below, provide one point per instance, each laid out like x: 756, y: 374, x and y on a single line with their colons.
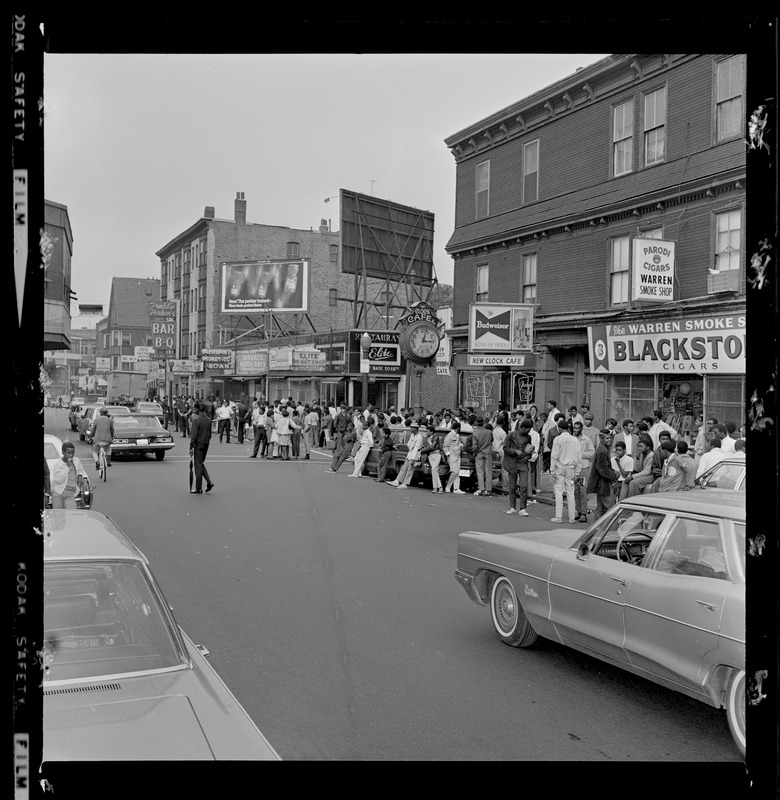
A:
x: 714, y: 343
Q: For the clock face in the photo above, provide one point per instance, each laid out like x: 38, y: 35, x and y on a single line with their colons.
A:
x: 423, y: 341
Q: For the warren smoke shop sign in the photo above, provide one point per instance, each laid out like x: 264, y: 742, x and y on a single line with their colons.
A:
x: 652, y: 278
x: 500, y: 327
x: 713, y: 343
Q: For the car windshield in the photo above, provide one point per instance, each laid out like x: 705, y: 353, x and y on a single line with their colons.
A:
x: 115, y: 411
x: 103, y: 619
x: 50, y: 451
x: 723, y: 476
x: 135, y: 423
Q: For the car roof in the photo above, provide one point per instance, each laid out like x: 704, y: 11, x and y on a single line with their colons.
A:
x: 52, y: 439
x: 717, y: 502
x: 81, y: 535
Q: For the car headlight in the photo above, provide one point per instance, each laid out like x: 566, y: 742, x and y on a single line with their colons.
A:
x: 121, y: 441
x: 164, y: 439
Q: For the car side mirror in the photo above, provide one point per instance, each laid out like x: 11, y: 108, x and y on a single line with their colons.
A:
x: 583, y: 551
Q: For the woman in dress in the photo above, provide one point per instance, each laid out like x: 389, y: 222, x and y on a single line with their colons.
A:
x: 452, y: 446
x: 283, y: 434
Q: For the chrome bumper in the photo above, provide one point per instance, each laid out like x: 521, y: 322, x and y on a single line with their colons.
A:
x: 467, y: 582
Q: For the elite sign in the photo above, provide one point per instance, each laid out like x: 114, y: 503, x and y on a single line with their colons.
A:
x: 705, y: 344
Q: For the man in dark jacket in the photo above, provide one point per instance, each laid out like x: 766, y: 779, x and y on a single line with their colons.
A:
x: 200, y: 437
x: 602, y: 476
x: 241, y: 412
x: 386, y: 448
x: 517, y: 449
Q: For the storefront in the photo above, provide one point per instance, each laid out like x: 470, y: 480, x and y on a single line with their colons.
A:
x: 690, y: 367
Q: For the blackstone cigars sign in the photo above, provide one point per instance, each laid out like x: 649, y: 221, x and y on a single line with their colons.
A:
x: 714, y: 343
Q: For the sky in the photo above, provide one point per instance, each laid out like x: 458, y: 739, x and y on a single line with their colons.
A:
x: 137, y: 145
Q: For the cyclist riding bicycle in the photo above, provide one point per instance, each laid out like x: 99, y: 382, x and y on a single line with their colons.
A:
x: 102, y: 433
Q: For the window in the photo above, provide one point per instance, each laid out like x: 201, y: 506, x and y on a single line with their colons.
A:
x: 618, y: 269
x: 728, y: 116
x: 725, y: 397
x: 531, y: 172
x: 482, y: 283
x: 115, y: 338
x: 115, y: 363
x: 623, y: 138
x: 483, y: 189
x: 693, y: 548
x: 630, y: 397
x: 728, y: 240
x: 334, y: 252
x: 293, y: 250
x: 655, y: 233
x: 126, y: 339
x: 655, y: 127
x: 640, y: 526
x: 333, y: 295
x: 528, y: 294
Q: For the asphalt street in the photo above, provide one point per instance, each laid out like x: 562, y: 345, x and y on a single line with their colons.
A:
x: 331, y: 611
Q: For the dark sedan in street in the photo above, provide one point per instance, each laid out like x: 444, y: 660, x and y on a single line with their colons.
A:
x: 139, y: 434
x: 122, y: 681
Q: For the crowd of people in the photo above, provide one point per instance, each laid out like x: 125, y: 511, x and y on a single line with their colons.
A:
x: 612, y: 463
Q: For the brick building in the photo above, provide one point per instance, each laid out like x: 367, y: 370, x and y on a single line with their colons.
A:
x: 557, y: 196
x: 271, y: 354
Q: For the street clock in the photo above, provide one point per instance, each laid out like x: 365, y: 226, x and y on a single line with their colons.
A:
x: 420, y: 339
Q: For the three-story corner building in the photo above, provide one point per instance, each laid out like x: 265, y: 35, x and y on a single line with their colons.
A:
x: 559, y: 200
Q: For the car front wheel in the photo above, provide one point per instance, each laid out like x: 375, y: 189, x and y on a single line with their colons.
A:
x: 735, y: 708
x: 509, y: 619
x: 160, y: 455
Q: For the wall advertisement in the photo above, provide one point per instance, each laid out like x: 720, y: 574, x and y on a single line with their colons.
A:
x: 500, y: 328
x: 251, y: 362
x: 713, y: 343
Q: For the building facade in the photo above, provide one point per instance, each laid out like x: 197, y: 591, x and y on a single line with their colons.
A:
x: 57, y: 253
x: 561, y: 196
x: 309, y: 353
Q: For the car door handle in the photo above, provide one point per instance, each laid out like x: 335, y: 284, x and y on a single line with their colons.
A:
x: 706, y: 605
x: 618, y: 580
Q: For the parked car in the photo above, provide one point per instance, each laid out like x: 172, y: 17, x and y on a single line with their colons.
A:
x: 122, y: 681
x: 422, y: 473
x: 78, y: 401
x: 656, y: 586
x: 726, y: 474
x: 74, y: 412
x: 85, y: 420
x: 139, y: 434
x: 147, y: 407
x: 52, y: 452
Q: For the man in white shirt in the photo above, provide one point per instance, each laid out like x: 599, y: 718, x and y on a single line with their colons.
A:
x: 726, y: 440
x: 67, y: 476
x: 587, y: 452
x: 564, y: 464
x: 658, y: 426
x: 223, y: 415
x: 711, y: 458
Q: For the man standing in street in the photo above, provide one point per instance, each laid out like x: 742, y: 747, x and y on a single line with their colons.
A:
x: 341, y: 424
x: 588, y: 429
x: 564, y: 464
x: 587, y: 453
x: 602, y: 476
x: 482, y: 448
x: 517, y: 449
x: 199, y: 447
x: 241, y: 412
x: 223, y: 421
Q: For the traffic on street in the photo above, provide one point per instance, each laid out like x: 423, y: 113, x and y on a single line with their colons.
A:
x: 329, y: 610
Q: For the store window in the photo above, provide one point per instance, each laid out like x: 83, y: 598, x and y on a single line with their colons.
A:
x: 725, y: 397
x: 482, y: 283
x: 623, y: 138
x: 631, y: 397
x: 682, y: 403
x: 483, y: 189
x: 729, y: 99
x: 618, y: 270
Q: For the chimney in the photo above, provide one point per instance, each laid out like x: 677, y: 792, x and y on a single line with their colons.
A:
x: 208, y: 212
x: 240, y: 209
x: 324, y: 226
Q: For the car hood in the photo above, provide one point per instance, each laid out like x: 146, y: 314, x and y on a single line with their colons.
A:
x: 178, y: 715
x: 562, y: 538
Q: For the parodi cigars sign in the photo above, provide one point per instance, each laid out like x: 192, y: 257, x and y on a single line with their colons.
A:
x: 711, y: 343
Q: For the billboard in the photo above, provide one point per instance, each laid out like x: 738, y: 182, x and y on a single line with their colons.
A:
x: 707, y: 343
x: 270, y: 285
x: 500, y: 327
x: 392, y: 240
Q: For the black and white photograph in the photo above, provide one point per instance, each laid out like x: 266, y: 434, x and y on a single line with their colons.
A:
x: 225, y: 253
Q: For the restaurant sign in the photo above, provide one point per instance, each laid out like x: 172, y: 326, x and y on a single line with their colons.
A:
x: 714, y: 343
x: 308, y: 360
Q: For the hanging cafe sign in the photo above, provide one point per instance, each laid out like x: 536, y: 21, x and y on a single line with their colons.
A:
x: 706, y: 344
